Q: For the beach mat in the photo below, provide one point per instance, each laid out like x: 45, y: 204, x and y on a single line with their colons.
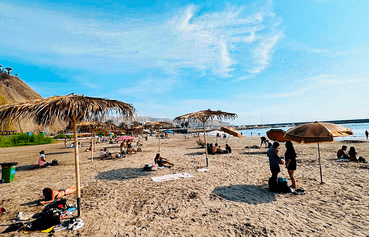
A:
x: 169, y: 177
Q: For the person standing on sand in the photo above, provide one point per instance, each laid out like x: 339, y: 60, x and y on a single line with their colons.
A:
x: 274, y: 161
x: 290, y: 157
x: 366, y: 134
x: 65, y: 142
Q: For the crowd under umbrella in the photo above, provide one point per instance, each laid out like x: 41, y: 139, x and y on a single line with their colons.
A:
x: 317, y: 132
x: 157, y: 125
x: 70, y: 108
x: 94, y: 127
x: 203, y: 116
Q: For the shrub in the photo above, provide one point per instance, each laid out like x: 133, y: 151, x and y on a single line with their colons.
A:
x: 23, y: 139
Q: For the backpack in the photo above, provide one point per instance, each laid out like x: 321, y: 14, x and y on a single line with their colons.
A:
x: 45, y: 220
x: 283, y: 186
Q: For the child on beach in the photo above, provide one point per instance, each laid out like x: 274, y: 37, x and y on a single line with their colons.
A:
x: 162, y: 162
x: 51, y: 194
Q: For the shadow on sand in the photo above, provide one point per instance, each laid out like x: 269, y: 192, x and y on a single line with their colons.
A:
x: 254, y: 153
x: 125, y: 173
x: 250, y: 194
x: 58, y: 153
x: 195, y: 154
x: 27, y: 167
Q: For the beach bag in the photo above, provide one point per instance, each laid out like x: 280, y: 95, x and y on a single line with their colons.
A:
x: 45, y: 220
x: 362, y: 160
x: 147, y: 168
x: 283, y: 186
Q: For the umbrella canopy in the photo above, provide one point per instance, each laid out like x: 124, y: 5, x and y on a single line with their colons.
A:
x: 276, y: 135
x: 317, y: 132
x: 158, y: 124
x: 203, y: 116
x: 70, y: 108
x: 96, y: 126
x: 231, y: 131
x: 125, y: 138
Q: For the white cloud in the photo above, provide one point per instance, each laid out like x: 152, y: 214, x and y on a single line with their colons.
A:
x: 229, y: 42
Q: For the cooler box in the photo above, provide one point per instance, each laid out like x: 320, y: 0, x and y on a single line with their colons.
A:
x: 8, y: 171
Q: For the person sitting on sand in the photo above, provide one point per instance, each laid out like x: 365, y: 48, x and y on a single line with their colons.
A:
x: 352, y: 154
x: 42, y: 159
x: 341, y: 153
x: 105, y: 154
x: 162, y: 162
x: 51, y: 194
x: 228, y: 149
x: 214, y: 149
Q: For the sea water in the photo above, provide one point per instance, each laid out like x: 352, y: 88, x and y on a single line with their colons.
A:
x: 357, y: 128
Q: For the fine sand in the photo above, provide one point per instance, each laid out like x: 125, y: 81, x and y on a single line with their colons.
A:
x: 231, y: 199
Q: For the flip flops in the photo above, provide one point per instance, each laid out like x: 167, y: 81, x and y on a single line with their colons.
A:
x: 299, y: 191
x: 75, y: 224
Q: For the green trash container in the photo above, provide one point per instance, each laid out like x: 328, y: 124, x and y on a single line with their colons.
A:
x: 8, y: 171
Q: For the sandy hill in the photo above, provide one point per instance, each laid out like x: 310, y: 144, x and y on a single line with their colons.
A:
x: 13, y: 90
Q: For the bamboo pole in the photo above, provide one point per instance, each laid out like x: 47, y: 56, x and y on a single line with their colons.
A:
x: 206, y: 147
x: 92, y: 146
x: 76, y: 160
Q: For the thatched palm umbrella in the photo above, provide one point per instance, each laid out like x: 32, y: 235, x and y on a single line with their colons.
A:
x: 203, y: 116
x: 70, y: 108
x: 158, y: 125
x: 94, y: 127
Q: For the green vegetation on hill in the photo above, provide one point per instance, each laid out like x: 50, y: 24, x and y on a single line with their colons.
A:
x: 23, y: 139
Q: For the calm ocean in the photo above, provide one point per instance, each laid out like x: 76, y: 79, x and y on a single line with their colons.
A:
x: 357, y: 128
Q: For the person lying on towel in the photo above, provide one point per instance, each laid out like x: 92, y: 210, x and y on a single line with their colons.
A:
x: 162, y: 162
x: 52, y: 194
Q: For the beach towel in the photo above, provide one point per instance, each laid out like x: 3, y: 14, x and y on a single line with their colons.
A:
x: 169, y: 177
x: 202, y: 170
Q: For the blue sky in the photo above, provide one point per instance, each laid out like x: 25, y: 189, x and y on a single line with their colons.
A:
x: 267, y: 61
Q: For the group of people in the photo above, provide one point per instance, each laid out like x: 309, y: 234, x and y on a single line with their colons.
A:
x: 289, y: 162
x: 217, y: 150
x: 351, y: 155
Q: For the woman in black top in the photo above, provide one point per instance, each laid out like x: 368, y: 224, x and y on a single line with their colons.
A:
x: 290, y: 157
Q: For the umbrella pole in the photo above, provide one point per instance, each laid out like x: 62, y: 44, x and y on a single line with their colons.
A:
x: 92, y: 147
x: 206, y: 148
x: 159, y: 138
x: 76, y: 160
x: 320, y: 166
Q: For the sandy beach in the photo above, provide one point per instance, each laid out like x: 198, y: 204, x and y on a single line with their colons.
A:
x: 231, y: 199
